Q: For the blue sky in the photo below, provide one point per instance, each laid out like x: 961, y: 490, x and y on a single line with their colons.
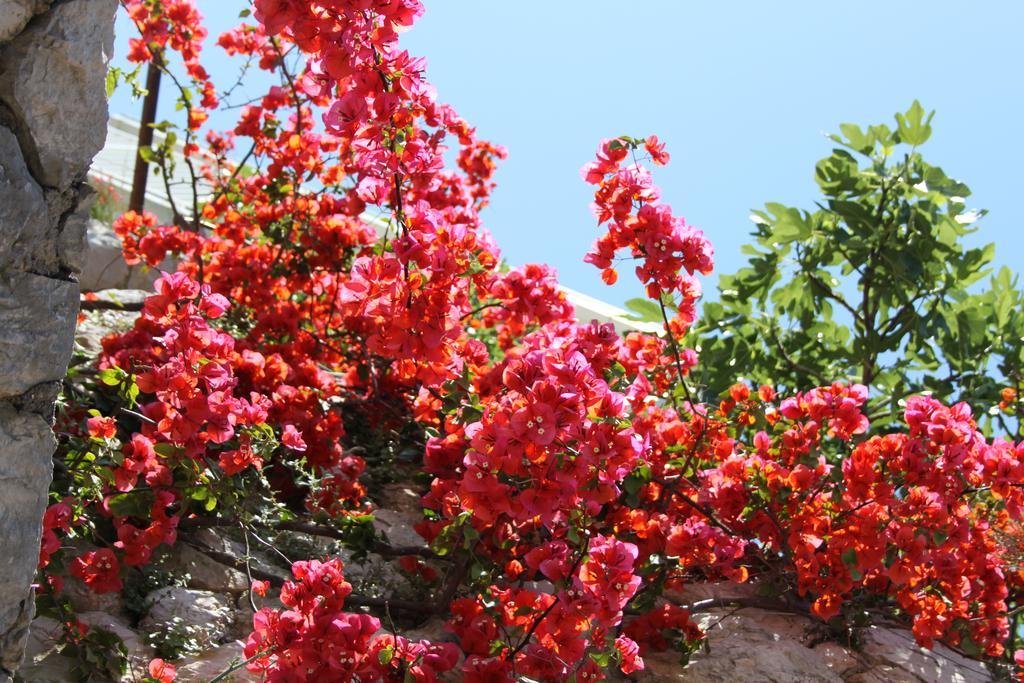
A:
x: 742, y: 92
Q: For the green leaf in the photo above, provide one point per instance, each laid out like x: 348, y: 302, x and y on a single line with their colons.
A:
x: 167, y: 450
x: 789, y: 224
x: 112, y: 376
x: 644, y: 310
x: 134, y: 504
x: 855, y: 138
x: 913, y: 128
x: 111, y: 81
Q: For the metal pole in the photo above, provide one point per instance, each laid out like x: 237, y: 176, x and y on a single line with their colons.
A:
x: 138, y: 198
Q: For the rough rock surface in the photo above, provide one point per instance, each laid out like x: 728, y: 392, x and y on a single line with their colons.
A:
x: 53, y: 58
x: 26, y: 443
x: 761, y: 646
x: 745, y: 645
x: 83, y: 599
x: 206, y: 573
x: 207, y: 614
x: 16, y: 14
x: 894, y: 657
x: 52, y: 78
x: 23, y: 202
x: 213, y: 662
x: 44, y: 662
x: 38, y: 315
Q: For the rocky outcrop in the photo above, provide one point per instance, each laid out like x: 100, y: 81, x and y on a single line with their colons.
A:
x: 44, y: 662
x: 53, y: 111
x: 752, y: 645
x: 16, y: 14
x: 744, y: 644
x: 204, y: 616
x: 53, y: 81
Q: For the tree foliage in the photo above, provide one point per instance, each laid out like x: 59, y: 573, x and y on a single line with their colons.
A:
x: 875, y: 285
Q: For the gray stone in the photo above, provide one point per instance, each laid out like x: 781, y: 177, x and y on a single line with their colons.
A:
x: 15, y: 14
x: 397, y: 526
x: 755, y: 645
x: 84, y: 599
x: 52, y: 78
x: 72, y: 245
x: 44, y: 638
x: 43, y: 661
x: 139, y: 653
x: 95, y: 325
x: 38, y: 316
x: 895, y: 657
x: 22, y: 207
x: 206, y: 615
x: 53, y: 61
x: 209, y: 664
x: 375, y: 575
x: 261, y: 560
x: 26, y: 444
x: 206, y: 573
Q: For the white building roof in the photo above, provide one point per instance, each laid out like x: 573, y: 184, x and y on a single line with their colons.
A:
x: 115, y: 165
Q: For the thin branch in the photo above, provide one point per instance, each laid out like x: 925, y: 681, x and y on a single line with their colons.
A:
x: 101, y: 305
x: 796, y: 365
x: 831, y: 294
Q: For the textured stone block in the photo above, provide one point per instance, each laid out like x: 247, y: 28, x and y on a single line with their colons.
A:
x: 37, y: 315
x: 26, y: 448
x: 52, y: 77
x: 14, y: 14
x: 22, y: 206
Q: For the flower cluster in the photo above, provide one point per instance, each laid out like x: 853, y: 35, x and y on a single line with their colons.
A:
x: 553, y: 637
x: 894, y: 519
x: 313, y: 638
x: 522, y: 298
x: 143, y: 241
x: 173, y: 25
x: 670, y: 251
x: 576, y: 481
x: 188, y: 410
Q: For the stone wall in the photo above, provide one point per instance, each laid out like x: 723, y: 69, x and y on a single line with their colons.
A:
x: 53, y: 112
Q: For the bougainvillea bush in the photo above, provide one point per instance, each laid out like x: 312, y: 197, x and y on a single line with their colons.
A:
x: 574, y: 480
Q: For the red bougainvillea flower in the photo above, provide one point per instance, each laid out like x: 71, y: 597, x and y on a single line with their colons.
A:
x: 99, y: 569
x: 161, y: 671
x: 292, y: 438
x: 102, y: 427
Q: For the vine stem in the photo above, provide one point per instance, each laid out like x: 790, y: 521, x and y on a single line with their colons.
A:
x: 232, y: 669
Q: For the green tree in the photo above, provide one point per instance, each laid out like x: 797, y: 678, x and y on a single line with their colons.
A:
x: 875, y: 285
